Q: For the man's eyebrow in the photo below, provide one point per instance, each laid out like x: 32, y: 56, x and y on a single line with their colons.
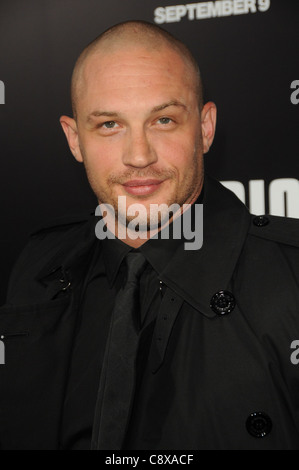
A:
x: 102, y: 113
x: 166, y: 105
x: 114, y: 114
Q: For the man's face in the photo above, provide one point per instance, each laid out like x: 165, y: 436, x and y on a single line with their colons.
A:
x: 138, y: 128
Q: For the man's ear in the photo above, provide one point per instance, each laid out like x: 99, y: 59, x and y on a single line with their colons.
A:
x: 208, y: 124
x: 69, y: 127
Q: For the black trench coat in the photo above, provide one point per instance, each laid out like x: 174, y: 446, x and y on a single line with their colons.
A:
x: 220, y: 372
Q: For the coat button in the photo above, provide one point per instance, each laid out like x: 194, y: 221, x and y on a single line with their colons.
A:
x: 223, y: 302
x: 258, y: 424
x: 261, y: 221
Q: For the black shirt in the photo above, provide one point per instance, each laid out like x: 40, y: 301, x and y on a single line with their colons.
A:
x: 103, y: 280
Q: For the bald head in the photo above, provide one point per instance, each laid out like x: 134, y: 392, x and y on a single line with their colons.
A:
x: 132, y: 34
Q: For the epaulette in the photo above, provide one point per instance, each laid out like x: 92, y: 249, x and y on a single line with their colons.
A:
x: 61, y: 224
x: 278, y: 229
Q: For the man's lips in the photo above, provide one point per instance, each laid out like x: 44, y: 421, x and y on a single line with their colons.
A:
x: 142, y: 187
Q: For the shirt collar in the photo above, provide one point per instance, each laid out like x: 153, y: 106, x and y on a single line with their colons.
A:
x: 155, y: 249
x: 114, y: 251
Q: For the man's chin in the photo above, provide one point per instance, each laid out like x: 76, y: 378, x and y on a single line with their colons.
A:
x: 148, y: 212
x: 156, y: 217
x: 144, y: 225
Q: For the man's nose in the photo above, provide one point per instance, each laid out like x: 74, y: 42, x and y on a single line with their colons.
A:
x: 138, y: 151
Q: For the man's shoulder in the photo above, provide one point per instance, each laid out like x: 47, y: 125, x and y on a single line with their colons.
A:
x: 60, y: 224
x: 62, y: 235
x: 50, y: 245
x: 278, y: 229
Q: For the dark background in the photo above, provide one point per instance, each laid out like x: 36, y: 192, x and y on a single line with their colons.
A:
x: 248, y: 63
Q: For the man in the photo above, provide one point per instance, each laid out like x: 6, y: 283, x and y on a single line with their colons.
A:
x: 205, y: 361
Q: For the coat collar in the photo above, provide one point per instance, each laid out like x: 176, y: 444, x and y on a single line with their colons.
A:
x: 198, y: 275
x: 195, y: 275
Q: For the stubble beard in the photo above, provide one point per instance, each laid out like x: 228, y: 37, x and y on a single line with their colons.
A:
x: 180, y: 196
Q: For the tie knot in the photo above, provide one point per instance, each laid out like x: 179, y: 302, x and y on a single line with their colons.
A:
x: 135, y: 265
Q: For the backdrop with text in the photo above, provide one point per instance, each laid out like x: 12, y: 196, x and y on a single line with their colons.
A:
x: 248, y: 55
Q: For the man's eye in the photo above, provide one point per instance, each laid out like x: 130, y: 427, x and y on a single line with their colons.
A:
x: 164, y: 120
x: 109, y: 124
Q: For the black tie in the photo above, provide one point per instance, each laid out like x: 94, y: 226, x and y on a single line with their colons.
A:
x: 116, y: 390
